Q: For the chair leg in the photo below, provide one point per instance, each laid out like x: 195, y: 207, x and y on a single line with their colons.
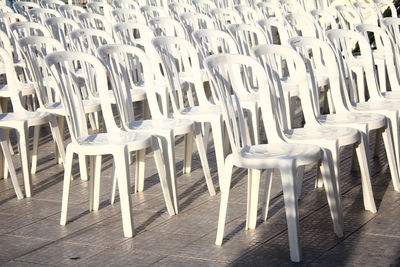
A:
x: 225, y: 188
x: 36, y: 134
x: 60, y: 123
x: 331, y: 192
x: 67, y: 182
x: 187, y: 161
x: 369, y: 203
x: 83, y: 167
x: 168, y: 149
x: 122, y: 172
x: 390, y: 152
x: 8, y: 159
x: 163, y: 178
x: 139, y: 170
x: 96, y: 182
x: 292, y: 213
x: 252, y: 197
x: 57, y: 136
x: 114, y: 185
x: 24, y: 153
x: 267, y: 192
x: 217, y: 128
x: 299, y: 180
x: 204, y: 161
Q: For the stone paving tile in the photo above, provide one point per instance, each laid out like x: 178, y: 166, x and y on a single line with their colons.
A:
x: 174, y: 261
x: 121, y: 258
x: 9, y: 223
x: 21, y: 264
x: 60, y: 254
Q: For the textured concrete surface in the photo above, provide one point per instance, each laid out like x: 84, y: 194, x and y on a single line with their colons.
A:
x: 30, y: 234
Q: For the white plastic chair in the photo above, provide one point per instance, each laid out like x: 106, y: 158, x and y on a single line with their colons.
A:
x: 165, y: 26
x: 150, y: 12
x: 125, y: 15
x: 353, y: 70
x: 223, y: 17
x: 6, y: 19
x: 276, y: 31
x: 287, y: 158
x: 126, y: 4
x: 304, y: 25
x: 88, y: 40
x: 325, y: 20
x: 23, y: 7
x: 53, y: 4
x: 247, y: 36
x: 270, y: 10
x: 21, y: 120
x: 5, y: 9
x: 27, y: 28
x: 40, y: 15
x: 128, y: 67
x: 330, y: 139
x: 101, y: 8
x: 368, y: 13
x: 171, y: 50
x: 249, y: 15
x: 383, y: 5
x: 324, y: 60
x: 177, y: 9
x: 348, y: 17
x: 72, y: 12
x: 115, y: 142
x: 204, y: 6
x: 95, y: 21
x: 61, y: 28
x: 195, y: 21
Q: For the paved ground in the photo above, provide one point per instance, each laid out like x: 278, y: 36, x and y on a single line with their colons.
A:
x: 30, y: 234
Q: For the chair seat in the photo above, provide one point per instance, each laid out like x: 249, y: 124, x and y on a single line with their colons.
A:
x: 391, y: 95
x: 272, y: 155
x: 344, y: 135
x: 137, y: 95
x: 375, y: 121
x: 206, y: 110
x: 33, y: 118
x: 24, y: 88
x: 291, y: 86
x: 134, y: 141
x: 378, y: 105
x: 179, y: 126
x: 89, y: 105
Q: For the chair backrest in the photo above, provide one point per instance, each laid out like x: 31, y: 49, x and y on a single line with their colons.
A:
x: 40, y: 15
x: 276, y: 31
x: 88, y: 40
x: 383, y: 5
x: 4, y: 9
x: 272, y: 58
x: 95, y: 21
x: 34, y: 50
x: 392, y: 26
x: 348, y: 17
x: 179, y: 56
x: 125, y: 15
x: 5, y: 42
x: 304, y: 25
x: 27, y: 28
x: 368, y: 13
x: 249, y: 14
x: 126, y: 4
x: 66, y: 67
x: 247, y: 36
x: 320, y: 57
x: 204, y: 6
x: 325, y: 19
x: 384, y: 48
x: 101, y: 8
x: 360, y: 66
x: 195, y: 21
x: 224, y: 17
x: 61, y: 28
x: 24, y: 7
x: 7, y: 69
x: 270, y: 10
x: 53, y: 4
x: 128, y: 68
x: 177, y: 9
x: 211, y: 42
x: 72, y: 12
x: 150, y: 12
x: 166, y: 26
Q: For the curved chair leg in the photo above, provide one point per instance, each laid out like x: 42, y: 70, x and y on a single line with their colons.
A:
x: 225, y: 188
x: 204, y: 161
x: 83, y: 167
x: 36, y: 134
x: 253, y: 186
x: 332, y: 193
x: 24, y: 153
x: 292, y: 212
x: 122, y: 172
x: 163, y: 178
x: 217, y: 128
x: 390, y: 152
x: 57, y: 136
x: 187, y: 160
x: 267, y: 192
x: 67, y: 182
x: 369, y: 203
